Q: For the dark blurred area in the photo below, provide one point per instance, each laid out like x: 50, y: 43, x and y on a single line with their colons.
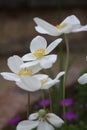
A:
x: 16, y: 4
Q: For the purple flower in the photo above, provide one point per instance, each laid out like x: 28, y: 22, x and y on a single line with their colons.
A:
x: 70, y: 115
x: 67, y: 102
x: 45, y: 102
x: 14, y: 120
x: 86, y: 105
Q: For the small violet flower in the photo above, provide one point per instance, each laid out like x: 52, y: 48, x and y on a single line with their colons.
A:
x: 45, y: 102
x: 86, y: 105
x: 41, y: 120
x: 14, y: 120
x: 83, y: 79
x: 40, y: 51
x: 70, y: 116
x: 67, y: 102
x: 70, y: 24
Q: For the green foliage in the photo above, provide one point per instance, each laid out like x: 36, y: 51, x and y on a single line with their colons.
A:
x: 80, y: 126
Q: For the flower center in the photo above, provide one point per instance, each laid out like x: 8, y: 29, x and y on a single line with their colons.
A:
x: 25, y: 72
x: 42, y: 113
x: 61, y: 26
x: 39, y: 53
x: 43, y: 81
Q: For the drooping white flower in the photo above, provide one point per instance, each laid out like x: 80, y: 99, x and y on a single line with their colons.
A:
x: 39, y: 81
x: 41, y: 120
x: 83, y: 79
x: 70, y: 24
x: 40, y: 51
x: 14, y: 64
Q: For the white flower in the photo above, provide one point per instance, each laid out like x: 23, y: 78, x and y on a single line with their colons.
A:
x: 70, y: 24
x: 39, y: 81
x: 83, y: 79
x: 40, y: 51
x: 14, y: 64
x: 41, y: 121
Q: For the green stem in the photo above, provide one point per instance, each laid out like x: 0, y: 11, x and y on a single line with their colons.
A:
x: 43, y: 98
x: 50, y: 97
x: 60, y: 55
x: 28, y: 105
x: 65, y: 76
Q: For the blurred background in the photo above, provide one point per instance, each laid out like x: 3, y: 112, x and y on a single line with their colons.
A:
x: 17, y: 25
x: 17, y: 30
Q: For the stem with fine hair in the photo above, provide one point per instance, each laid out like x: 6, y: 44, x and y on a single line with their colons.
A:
x: 43, y: 99
x: 50, y: 97
x: 65, y: 76
x: 28, y: 105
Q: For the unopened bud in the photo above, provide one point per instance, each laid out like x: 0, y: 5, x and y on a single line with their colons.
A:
x: 42, y: 112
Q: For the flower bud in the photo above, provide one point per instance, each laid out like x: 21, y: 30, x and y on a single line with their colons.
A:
x: 42, y: 112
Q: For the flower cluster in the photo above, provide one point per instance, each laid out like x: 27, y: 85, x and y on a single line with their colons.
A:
x: 24, y: 74
x: 25, y: 71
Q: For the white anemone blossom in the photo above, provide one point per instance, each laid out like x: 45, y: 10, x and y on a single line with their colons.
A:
x: 14, y: 63
x: 83, y: 79
x: 38, y: 81
x: 40, y: 51
x: 70, y: 24
x: 41, y: 120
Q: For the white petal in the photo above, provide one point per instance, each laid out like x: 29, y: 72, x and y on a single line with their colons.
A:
x: 37, y: 43
x: 41, y: 76
x: 41, y: 30
x: 29, y: 64
x: 60, y: 74
x: 29, y: 57
x: 36, y: 68
x: 14, y: 63
x: 10, y: 76
x: 82, y: 28
x: 83, y: 79
x: 72, y: 20
x: 48, y: 61
x: 44, y: 126
x: 53, y: 45
x: 45, y: 64
x: 49, y: 28
x: 66, y: 29
x: 49, y: 84
x: 33, y: 66
x: 52, y: 58
x: 55, y: 120
x: 29, y: 83
x: 33, y: 116
x: 27, y: 125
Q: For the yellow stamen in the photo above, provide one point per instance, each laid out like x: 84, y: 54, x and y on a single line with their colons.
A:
x: 25, y: 72
x: 61, y: 26
x: 43, y: 81
x: 39, y: 53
